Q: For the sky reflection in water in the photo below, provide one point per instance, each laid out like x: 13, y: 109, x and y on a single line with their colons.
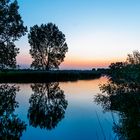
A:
x: 69, y: 109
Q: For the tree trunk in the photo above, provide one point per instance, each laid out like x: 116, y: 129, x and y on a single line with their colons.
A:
x: 47, y: 66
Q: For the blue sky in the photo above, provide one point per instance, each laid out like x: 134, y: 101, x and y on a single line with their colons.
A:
x: 97, y: 31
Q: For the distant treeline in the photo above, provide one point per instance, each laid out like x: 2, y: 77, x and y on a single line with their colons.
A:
x: 36, y: 76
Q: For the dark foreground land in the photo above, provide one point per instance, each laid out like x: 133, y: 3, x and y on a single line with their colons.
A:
x: 34, y: 76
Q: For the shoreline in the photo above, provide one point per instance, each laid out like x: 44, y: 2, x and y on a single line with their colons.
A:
x: 36, y: 76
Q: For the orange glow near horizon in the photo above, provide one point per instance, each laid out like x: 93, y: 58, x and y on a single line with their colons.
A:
x: 96, y: 32
x: 74, y: 62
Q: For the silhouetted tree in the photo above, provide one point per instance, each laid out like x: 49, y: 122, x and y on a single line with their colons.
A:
x: 11, y: 127
x: 129, y: 70
x: 11, y: 29
x: 48, y: 46
x: 47, y: 105
x: 122, y: 94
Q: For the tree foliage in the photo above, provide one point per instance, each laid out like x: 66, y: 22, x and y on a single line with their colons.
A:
x: 126, y: 70
x: 117, y: 65
x: 134, y: 58
x: 48, y: 46
x: 11, y: 29
x: 8, y: 53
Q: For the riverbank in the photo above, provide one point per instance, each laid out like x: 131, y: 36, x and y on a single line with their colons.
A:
x: 35, y: 76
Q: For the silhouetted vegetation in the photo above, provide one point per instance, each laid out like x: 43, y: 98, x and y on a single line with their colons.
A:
x: 134, y: 58
x: 11, y: 29
x: 129, y: 70
x: 48, y: 46
x: 122, y: 95
x: 47, y: 105
x: 103, y: 71
x: 11, y: 127
x: 36, y: 76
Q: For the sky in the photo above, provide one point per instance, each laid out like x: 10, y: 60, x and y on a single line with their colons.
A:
x: 98, y: 32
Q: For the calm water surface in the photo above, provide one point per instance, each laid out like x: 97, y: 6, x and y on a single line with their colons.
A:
x: 59, y: 111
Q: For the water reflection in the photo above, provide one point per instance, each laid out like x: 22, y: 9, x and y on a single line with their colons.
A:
x: 47, y: 105
x: 11, y: 127
x: 124, y: 98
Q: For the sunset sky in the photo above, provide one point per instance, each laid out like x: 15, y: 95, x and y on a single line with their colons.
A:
x: 98, y: 32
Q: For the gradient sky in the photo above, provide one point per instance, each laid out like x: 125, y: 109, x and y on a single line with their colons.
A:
x: 98, y: 32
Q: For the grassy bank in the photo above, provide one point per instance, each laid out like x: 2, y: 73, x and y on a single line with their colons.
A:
x: 28, y: 76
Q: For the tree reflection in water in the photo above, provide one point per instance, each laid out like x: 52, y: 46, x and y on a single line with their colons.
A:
x: 125, y: 99
x: 11, y: 127
x: 47, y: 105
